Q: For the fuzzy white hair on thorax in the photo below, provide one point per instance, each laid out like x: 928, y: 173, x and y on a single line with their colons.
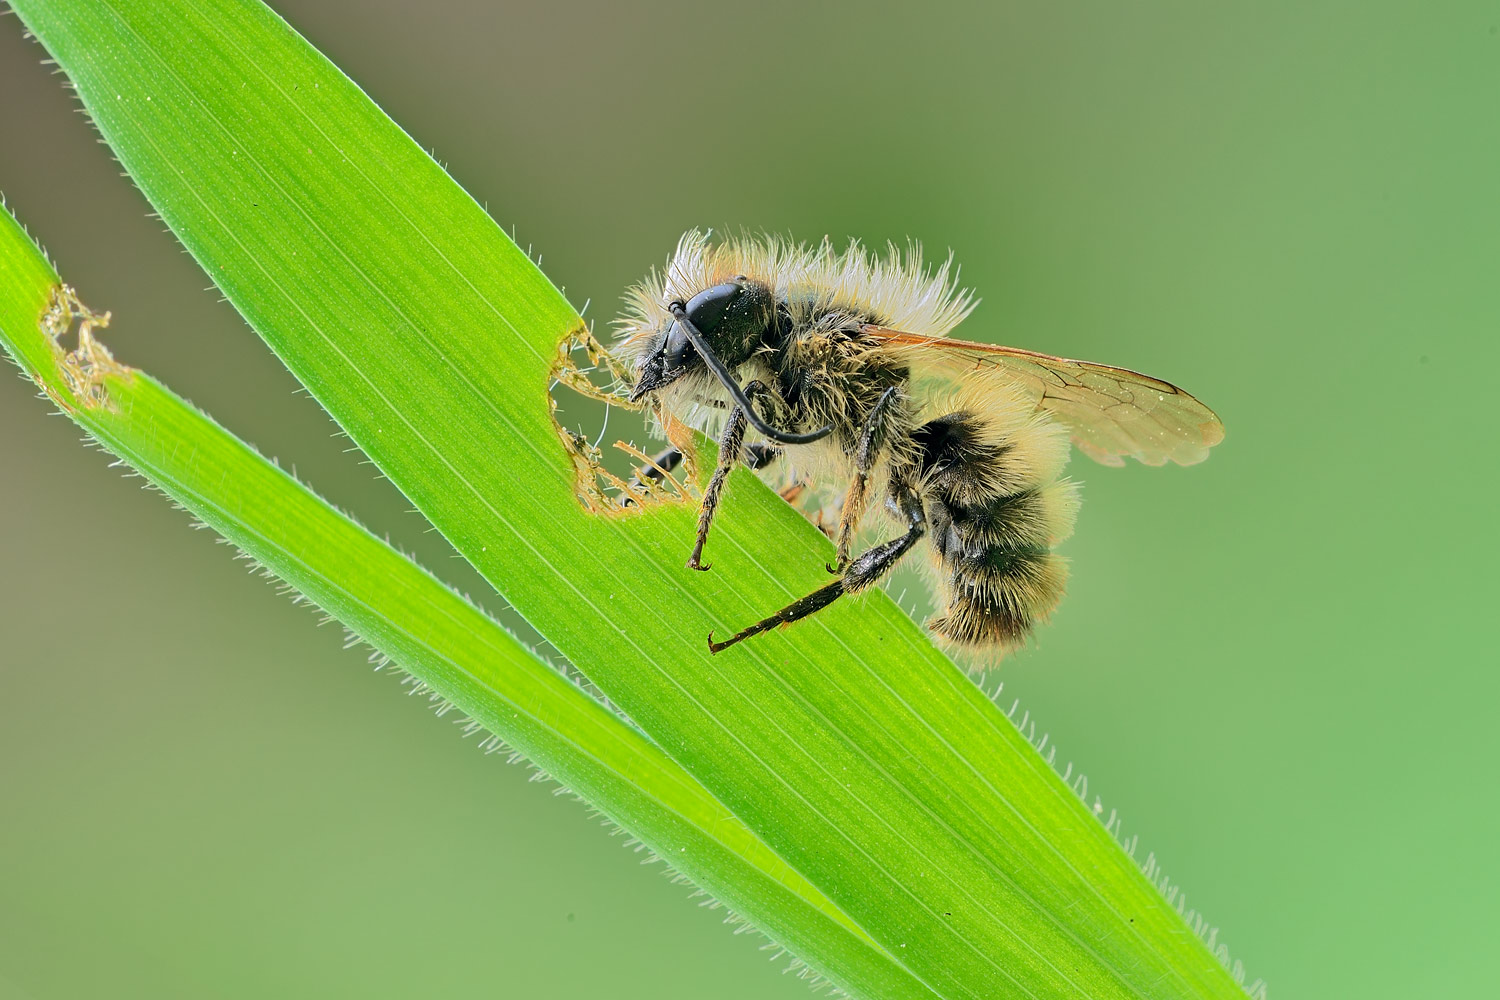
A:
x: 895, y: 289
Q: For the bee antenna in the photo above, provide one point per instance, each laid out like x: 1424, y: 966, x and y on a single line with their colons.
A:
x: 679, y: 313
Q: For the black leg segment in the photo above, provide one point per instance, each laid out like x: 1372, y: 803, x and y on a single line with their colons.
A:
x: 729, y: 453
x: 758, y: 454
x: 816, y: 601
x: 663, y: 462
x: 862, y: 572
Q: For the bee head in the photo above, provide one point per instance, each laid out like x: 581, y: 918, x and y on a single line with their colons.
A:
x: 732, y: 317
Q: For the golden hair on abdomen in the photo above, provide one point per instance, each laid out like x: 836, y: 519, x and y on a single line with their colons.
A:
x: 997, y: 507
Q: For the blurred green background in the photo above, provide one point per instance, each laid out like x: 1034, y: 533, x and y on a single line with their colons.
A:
x: 1276, y: 665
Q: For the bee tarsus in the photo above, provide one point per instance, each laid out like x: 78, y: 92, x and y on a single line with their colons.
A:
x: 904, y: 500
x: 816, y: 601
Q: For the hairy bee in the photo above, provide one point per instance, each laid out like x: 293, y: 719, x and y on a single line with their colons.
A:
x: 838, y: 363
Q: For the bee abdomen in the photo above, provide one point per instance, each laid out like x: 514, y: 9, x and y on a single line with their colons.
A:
x: 996, y: 508
x: 996, y: 597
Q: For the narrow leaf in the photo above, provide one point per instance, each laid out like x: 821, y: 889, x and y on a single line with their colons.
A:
x: 425, y: 628
x: 856, y: 751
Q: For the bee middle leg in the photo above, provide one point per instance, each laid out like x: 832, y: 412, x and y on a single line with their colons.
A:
x: 729, y: 453
x: 871, y: 439
x: 861, y: 573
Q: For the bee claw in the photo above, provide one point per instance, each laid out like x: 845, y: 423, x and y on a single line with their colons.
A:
x: 714, y: 647
x: 693, y: 563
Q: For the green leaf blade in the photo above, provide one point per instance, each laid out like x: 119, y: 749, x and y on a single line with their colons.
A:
x: 439, y: 637
x: 858, y: 753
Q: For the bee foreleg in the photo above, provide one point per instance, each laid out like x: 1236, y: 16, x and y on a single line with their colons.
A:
x: 664, y: 462
x: 729, y: 453
x: 862, y: 572
x: 758, y: 454
x: 871, y: 440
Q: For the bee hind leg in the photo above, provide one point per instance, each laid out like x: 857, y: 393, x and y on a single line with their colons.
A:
x: 862, y: 572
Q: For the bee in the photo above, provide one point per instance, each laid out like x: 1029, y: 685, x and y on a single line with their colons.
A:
x: 839, y: 364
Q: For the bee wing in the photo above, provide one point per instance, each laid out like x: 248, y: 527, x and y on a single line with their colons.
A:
x: 1112, y: 412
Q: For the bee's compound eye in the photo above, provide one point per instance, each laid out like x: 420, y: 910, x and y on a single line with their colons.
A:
x: 706, y: 309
